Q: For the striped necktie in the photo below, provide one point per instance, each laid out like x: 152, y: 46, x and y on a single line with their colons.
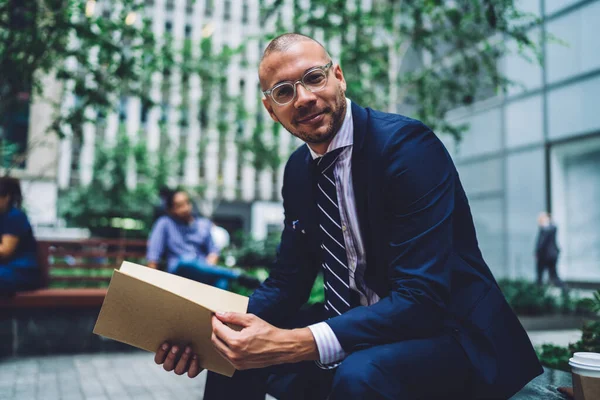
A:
x: 333, y: 250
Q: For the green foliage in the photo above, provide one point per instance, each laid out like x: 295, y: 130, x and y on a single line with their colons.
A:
x: 469, y: 36
x: 553, y: 356
x: 528, y: 298
x: 109, y: 198
x: 256, y: 256
x: 558, y: 357
x: 9, y: 153
x: 97, y: 56
x: 252, y: 252
x: 317, y: 294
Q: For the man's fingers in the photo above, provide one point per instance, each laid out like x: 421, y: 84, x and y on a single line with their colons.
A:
x: 194, y: 367
x: 221, y: 347
x: 567, y: 391
x: 182, y: 365
x: 222, y: 331
x: 161, y: 353
x: 172, y: 358
x: 242, y: 320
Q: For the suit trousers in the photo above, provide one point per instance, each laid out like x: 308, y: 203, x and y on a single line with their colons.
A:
x: 549, y: 265
x: 421, y: 368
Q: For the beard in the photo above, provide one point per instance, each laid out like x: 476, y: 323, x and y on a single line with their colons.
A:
x: 335, y: 122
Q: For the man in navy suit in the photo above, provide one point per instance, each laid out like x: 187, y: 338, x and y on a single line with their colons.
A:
x: 374, y: 202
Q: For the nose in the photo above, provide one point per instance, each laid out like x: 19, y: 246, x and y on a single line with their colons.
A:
x: 303, y: 96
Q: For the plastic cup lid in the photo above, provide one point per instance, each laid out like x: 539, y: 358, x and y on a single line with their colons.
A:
x: 585, y: 360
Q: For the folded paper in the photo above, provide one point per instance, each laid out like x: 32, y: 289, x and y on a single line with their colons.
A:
x: 145, y: 307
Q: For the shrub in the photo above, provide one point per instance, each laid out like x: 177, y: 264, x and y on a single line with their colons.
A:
x: 558, y: 357
x: 528, y: 298
x: 252, y: 252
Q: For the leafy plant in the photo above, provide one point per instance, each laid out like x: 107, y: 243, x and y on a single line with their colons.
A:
x: 528, y: 298
x: 256, y: 256
x: 97, y: 56
x: 464, y: 40
x: 112, y: 205
x: 250, y: 252
x: 558, y: 357
x: 553, y: 356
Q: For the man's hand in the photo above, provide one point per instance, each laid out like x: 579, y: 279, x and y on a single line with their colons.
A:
x: 567, y: 391
x: 260, y: 344
x: 180, y: 360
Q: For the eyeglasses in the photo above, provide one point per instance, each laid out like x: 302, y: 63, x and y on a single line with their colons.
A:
x: 313, y: 80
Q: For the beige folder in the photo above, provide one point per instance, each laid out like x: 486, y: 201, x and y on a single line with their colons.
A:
x: 145, y: 307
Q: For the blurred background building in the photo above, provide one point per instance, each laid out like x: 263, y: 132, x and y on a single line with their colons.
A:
x: 536, y: 148
x: 235, y: 195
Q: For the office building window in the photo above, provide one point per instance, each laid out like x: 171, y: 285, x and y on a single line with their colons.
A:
x: 123, y: 109
x: 209, y: 8
x: 188, y: 31
x: 164, y: 112
x: 245, y: 12
x: 144, y: 112
x: 168, y: 26
x: 227, y: 10
x: 76, y: 145
x: 189, y: 6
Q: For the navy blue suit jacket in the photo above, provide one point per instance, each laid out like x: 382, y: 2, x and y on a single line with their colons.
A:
x: 423, y: 259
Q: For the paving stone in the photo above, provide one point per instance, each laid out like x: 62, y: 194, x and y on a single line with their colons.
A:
x: 134, y: 376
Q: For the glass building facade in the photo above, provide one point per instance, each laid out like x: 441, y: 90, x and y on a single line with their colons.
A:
x: 537, y: 148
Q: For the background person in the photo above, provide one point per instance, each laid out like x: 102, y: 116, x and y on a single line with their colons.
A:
x: 19, y: 269
x: 185, y: 241
x: 546, y: 250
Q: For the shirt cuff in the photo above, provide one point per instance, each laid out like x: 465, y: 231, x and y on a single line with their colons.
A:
x: 330, y: 349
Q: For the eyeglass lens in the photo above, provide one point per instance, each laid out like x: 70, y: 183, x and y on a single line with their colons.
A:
x: 313, y: 81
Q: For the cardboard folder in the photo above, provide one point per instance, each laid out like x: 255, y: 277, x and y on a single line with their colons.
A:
x: 145, y: 307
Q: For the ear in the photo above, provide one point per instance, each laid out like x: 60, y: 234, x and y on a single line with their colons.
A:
x: 269, y: 108
x: 339, y: 75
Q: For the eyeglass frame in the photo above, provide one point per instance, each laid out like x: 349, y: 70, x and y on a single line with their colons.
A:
x: 325, y: 68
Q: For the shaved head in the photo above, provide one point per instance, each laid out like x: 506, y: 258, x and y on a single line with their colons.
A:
x: 281, y: 44
x: 314, y: 116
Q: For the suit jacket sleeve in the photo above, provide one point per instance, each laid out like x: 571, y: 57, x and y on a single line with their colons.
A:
x: 293, y: 273
x: 419, y: 193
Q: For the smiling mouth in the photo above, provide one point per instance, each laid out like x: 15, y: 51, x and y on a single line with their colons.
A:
x: 310, y: 118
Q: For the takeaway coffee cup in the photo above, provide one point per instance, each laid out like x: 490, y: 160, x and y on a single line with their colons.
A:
x: 586, y: 375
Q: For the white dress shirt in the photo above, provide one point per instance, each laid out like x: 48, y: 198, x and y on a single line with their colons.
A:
x: 330, y: 350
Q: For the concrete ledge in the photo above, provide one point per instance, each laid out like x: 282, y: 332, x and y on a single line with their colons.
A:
x: 553, y: 322
x: 545, y: 386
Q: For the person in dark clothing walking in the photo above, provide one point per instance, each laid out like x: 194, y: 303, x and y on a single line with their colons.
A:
x: 546, y: 250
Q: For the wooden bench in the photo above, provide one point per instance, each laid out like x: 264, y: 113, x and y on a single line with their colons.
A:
x: 69, y: 267
x: 59, y: 317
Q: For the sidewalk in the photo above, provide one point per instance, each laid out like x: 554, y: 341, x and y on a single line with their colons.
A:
x: 559, y: 337
x: 121, y: 376
x: 135, y: 376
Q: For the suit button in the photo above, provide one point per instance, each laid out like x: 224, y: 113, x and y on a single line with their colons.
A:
x: 343, y: 228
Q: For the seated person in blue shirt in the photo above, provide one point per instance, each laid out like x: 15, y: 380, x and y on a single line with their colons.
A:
x: 186, y: 244
x: 18, y: 262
